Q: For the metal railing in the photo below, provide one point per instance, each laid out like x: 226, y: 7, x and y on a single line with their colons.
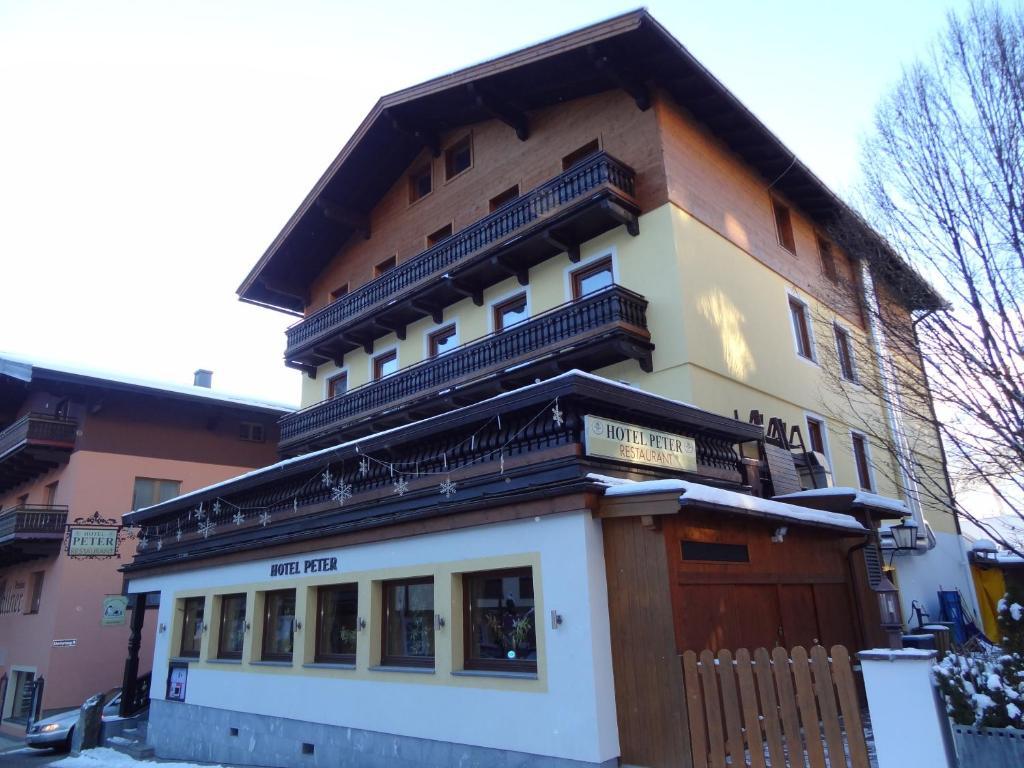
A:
x: 568, y: 187
x: 512, y: 346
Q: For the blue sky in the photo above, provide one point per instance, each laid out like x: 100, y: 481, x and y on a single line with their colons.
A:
x: 150, y: 151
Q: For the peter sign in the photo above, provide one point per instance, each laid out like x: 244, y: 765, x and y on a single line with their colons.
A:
x: 638, y: 445
x: 94, y: 536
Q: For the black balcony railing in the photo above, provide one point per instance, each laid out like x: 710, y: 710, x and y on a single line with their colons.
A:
x: 576, y: 184
x: 33, y: 521
x: 38, y: 428
x: 613, y: 315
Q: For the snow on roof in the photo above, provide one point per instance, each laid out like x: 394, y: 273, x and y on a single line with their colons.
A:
x: 719, y: 497
x: 859, y: 497
x: 21, y: 367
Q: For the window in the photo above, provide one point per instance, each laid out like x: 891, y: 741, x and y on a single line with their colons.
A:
x: 801, y: 328
x: 337, y: 385
x: 592, y: 277
x: 438, y: 235
x: 232, y: 626
x: 408, y: 626
x: 23, y: 500
x: 714, y: 552
x: 336, y: 612
x: 861, y: 456
x: 588, y: 149
x: 385, y: 266
x: 149, y: 491
x: 509, y: 312
x: 36, y: 592
x: 844, y: 351
x: 51, y: 493
x: 443, y: 340
x: 24, y: 688
x: 783, y: 226
x: 191, y: 626
x: 420, y: 183
x: 385, y: 365
x: 500, y: 199
x: 340, y: 291
x: 278, y: 625
x: 251, y: 431
x: 828, y: 259
x: 500, y: 623
x: 816, y: 435
x: 458, y: 157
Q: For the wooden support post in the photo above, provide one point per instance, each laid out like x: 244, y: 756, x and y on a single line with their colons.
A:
x: 131, y: 664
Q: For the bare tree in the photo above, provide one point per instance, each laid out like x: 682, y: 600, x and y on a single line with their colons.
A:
x: 944, y: 170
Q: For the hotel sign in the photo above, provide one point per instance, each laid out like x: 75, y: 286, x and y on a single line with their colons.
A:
x: 92, y: 537
x: 638, y: 445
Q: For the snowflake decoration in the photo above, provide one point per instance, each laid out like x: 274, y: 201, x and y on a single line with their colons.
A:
x: 143, y: 542
x: 207, y: 528
x: 342, y: 492
x: 364, y: 467
x: 447, y: 488
x: 264, y: 518
x: 295, y: 504
x: 216, y: 508
x: 200, y: 514
x: 239, y: 518
x: 178, y: 534
x: 501, y: 463
x: 327, y: 478
x: 159, y: 543
x: 556, y: 414
x: 401, y: 486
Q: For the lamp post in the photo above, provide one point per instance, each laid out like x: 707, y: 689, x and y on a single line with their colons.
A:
x: 889, y: 611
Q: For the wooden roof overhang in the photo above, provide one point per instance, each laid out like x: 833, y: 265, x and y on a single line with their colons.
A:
x: 862, y: 506
x: 521, y: 456
x: 632, y: 52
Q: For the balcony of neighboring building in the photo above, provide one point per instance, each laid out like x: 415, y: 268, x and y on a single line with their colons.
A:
x: 33, y: 445
x: 591, y: 197
x: 30, y: 531
x: 597, y: 330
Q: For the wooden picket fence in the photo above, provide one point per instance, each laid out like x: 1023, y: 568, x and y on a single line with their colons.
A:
x: 786, y: 709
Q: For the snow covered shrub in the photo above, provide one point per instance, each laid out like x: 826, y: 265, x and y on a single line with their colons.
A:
x: 987, y: 689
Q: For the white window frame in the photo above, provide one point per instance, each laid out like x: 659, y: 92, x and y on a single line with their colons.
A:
x: 437, y: 327
x: 826, y: 443
x: 505, y: 297
x: 837, y: 324
x: 8, y: 703
x: 586, y: 261
x: 867, y: 455
x: 378, y: 353
x: 809, y: 316
x: 332, y: 374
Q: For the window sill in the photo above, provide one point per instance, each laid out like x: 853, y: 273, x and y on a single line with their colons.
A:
x: 326, y: 665
x: 414, y: 670
x: 262, y: 663
x: 183, y: 659
x: 494, y: 673
x: 807, y: 360
x: 223, y: 661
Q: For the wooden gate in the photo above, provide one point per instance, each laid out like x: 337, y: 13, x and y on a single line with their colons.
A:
x: 770, y: 711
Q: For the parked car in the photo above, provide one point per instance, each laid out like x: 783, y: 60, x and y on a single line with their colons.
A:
x: 55, y: 731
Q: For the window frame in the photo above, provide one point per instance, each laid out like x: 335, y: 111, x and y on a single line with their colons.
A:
x: 867, y: 469
x: 382, y: 358
x: 419, y: 662
x: 426, y: 169
x: 329, y: 383
x: 221, y: 620
x: 591, y: 267
x: 155, y: 496
x: 845, y: 355
x: 266, y: 655
x: 36, y: 592
x: 581, y: 153
x: 522, y: 666
x: 341, y: 290
x: 249, y: 428
x: 379, y: 269
x: 323, y: 657
x: 827, y: 256
x: 806, y: 332
x: 449, y: 152
x: 200, y: 624
x: 452, y: 331
x: 823, y: 424
x: 435, y: 238
x: 782, y: 215
x: 499, y: 306
x: 503, y: 198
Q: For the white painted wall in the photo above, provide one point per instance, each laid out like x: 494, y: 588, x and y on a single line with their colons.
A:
x: 944, y: 567
x: 573, y: 718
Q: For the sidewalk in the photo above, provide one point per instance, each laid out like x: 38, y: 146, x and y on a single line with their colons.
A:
x: 7, y: 743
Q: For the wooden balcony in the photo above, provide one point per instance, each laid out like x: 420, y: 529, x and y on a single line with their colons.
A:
x: 29, y: 531
x: 591, y: 198
x: 34, y: 444
x: 606, y: 327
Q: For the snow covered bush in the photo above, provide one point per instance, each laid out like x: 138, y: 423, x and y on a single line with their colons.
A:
x: 987, y: 689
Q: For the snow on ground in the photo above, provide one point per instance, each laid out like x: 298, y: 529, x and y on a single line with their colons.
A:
x: 103, y: 757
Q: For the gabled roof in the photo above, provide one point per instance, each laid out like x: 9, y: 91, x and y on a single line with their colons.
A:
x: 629, y: 51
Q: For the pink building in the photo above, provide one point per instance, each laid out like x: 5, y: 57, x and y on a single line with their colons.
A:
x: 74, y: 443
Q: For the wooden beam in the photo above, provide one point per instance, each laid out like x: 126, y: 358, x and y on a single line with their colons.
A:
x: 622, y: 78
x: 563, y: 244
x: 436, y: 313
x: 462, y: 288
x: 622, y: 215
x: 366, y: 343
x: 503, y: 111
x: 397, y: 328
x: 309, y: 370
x: 521, y: 273
x: 343, y: 214
x: 427, y: 136
x: 285, y: 288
